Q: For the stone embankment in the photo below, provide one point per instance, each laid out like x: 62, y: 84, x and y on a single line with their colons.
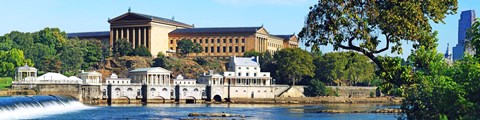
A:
x: 195, y: 114
x: 384, y: 110
x: 317, y: 100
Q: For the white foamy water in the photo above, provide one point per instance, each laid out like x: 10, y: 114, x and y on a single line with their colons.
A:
x: 30, y: 111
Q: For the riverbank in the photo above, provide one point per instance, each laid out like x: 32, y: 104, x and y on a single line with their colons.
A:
x: 318, y: 100
x: 288, y: 100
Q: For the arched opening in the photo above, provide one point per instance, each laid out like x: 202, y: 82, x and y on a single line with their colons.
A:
x: 124, y: 98
x: 117, y: 91
x: 253, y: 93
x: 217, y: 98
x: 164, y: 89
x: 159, y: 99
x: 152, y: 91
x: 190, y: 100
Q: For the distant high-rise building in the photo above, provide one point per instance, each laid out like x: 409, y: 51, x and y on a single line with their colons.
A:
x: 448, y: 53
x: 466, y: 20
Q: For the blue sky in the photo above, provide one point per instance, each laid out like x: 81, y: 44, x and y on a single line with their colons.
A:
x: 278, y: 16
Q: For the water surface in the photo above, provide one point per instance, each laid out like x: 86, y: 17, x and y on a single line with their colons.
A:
x: 252, y: 111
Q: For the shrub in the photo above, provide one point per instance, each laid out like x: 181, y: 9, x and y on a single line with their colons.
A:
x: 317, y: 88
x: 142, y: 51
x: 201, y: 61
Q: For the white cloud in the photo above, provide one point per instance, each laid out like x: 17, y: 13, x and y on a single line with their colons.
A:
x: 262, y: 2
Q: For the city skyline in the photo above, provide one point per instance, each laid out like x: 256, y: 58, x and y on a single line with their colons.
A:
x: 281, y: 17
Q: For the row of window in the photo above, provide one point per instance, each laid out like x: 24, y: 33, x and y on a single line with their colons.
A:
x: 117, y: 82
x: 247, y: 74
x: 213, y: 40
x: 255, y: 68
x: 186, y: 83
x: 275, y: 45
x: 252, y: 91
x: 224, y: 50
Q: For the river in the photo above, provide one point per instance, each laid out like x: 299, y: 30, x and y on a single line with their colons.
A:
x: 74, y: 110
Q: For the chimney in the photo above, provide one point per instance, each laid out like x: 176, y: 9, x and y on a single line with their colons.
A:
x: 83, y: 71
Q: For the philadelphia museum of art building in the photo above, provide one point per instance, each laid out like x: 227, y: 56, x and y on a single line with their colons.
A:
x: 161, y: 35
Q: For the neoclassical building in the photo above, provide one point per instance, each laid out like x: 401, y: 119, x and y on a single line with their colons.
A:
x: 161, y: 35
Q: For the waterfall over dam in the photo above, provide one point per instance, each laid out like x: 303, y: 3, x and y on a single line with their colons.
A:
x: 32, y: 107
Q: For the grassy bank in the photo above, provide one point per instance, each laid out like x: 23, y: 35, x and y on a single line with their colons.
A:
x: 5, y: 82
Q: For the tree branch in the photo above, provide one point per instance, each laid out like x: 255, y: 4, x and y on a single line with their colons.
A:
x: 363, y: 51
x: 386, y: 47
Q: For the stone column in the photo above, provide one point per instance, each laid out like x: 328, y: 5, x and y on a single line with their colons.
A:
x: 133, y: 38
x: 144, y: 36
x: 128, y: 34
x: 110, y: 41
x: 139, y: 36
x: 121, y: 33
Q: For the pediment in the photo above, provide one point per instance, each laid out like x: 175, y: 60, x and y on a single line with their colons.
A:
x: 262, y: 30
x: 294, y: 38
x: 129, y: 17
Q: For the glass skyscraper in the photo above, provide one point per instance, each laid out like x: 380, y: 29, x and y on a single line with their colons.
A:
x: 466, y: 20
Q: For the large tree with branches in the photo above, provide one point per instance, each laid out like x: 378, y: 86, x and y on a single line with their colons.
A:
x: 364, y: 25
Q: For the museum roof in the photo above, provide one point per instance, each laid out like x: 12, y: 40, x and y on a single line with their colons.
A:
x: 251, y: 30
x: 162, y: 19
x: 155, y: 19
x: 89, y: 34
x: 285, y: 37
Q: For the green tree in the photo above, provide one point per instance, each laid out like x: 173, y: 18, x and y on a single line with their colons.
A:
x: 92, y: 52
x: 268, y: 64
x: 11, y: 59
x: 50, y: 64
x: 474, y: 35
x: 348, y: 68
x: 142, y: 51
x: 186, y: 46
x: 252, y: 53
x: 339, y: 23
x: 122, y: 47
x: 293, y: 64
x: 160, y: 60
x: 317, y: 88
x: 71, y: 59
x: 53, y: 37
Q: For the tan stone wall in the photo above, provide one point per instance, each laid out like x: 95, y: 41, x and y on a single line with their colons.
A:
x: 159, y: 38
x: 223, y: 45
x: 274, y: 44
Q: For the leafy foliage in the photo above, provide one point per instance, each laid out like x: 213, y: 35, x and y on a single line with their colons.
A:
x: 160, y: 60
x: 474, y: 35
x: 348, y: 68
x: 317, y: 88
x: 293, y: 64
x: 251, y: 53
x: 11, y: 59
x: 122, y: 48
x: 45, y: 48
x: 71, y: 58
x: 142, y: 51
x: 340, y: 22
x: 186, y: 47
